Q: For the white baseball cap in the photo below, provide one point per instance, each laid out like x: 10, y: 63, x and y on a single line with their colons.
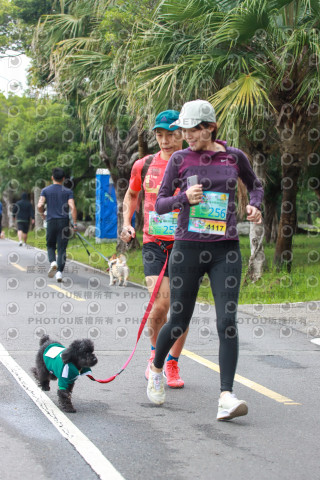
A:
x: 195, y: 112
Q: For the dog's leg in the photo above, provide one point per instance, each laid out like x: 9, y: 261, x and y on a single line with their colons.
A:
x: 126, y: 275
x: 35, y: 373
x: 65, y: 400
x: 43, y: 377
x: 111, y: 279
x: 70, y: 388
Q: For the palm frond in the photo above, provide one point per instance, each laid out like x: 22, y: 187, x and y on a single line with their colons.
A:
x: 65, y: 25
x: 242, y: 99
x: 241, y: 24
x: 178, y: 10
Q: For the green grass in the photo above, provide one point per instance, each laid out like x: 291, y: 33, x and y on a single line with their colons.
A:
x: 301, y: 285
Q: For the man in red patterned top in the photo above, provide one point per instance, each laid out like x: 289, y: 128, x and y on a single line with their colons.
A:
x: 158, y: 234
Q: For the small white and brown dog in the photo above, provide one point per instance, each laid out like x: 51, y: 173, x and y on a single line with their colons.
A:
x: 118, y: 270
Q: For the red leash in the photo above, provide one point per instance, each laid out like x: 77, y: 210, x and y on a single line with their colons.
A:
x: 144, y: 320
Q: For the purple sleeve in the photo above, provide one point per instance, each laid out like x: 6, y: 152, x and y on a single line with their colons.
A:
x: 166, y: 200
x: 250, y: 180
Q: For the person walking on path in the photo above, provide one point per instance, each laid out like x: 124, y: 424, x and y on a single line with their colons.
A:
x: 158, y: 237
x: 23, y: 211
x: 206, y: 241
x: 59, y: 200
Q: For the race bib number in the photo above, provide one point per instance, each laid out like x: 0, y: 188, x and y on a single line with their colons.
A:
x: 210, y: 214
x: 163, y: 224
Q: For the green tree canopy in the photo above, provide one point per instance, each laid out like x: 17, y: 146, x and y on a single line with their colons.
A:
x: 37, y: 135
x: 17, y: 21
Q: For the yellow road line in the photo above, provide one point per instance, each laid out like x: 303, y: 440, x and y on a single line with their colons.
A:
x: 244, y: 381
x: 22, y: 269
x: 66, y: 293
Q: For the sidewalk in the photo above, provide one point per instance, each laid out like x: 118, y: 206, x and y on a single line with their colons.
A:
x: 303, y: 316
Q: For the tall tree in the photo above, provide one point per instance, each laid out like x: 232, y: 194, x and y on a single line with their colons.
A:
x: 261, y: 58
x: 37, y: 135
x: 17, y: 21
x: 79, y: 51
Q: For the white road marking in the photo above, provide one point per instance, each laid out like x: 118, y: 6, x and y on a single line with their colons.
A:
x: 316, y: 341
x: 89, y: 452
x: 22, y: 269
x: 66, y: 293
x: 244, y: 381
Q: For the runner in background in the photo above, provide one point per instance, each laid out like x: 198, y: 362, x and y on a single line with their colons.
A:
x: 59, y: 200
x: 23, y: 212
x: 158, y: 234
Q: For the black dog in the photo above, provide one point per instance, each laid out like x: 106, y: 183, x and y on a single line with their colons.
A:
x: 54, y: 361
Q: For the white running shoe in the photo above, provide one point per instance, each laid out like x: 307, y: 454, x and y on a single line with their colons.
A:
x: 155, y: 389
x: 230, y: 407
x: 59, y: 277
x: 20, y: 244
x: 52, y: 269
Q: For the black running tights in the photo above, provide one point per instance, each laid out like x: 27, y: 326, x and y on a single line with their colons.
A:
x: 188, y: 263
x: 58, y: 235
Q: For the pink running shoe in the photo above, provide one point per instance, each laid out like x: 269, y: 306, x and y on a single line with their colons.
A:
x: 153, y: 354
x: 171, y: 372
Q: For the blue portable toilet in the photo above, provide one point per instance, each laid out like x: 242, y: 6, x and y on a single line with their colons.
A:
x: 106, y: 207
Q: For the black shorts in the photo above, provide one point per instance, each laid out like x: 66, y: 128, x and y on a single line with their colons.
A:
x: 24, y: 226
x: 154, y: 258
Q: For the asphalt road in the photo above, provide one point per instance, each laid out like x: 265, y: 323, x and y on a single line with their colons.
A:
x: 278, y: 375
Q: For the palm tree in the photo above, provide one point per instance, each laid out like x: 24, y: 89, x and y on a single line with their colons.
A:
x: 257, y: 61
x: 85, y: 66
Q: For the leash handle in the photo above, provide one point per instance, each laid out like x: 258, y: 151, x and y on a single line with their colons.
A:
x: 142, y: 325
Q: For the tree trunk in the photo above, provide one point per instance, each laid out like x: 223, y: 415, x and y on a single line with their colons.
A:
x: 272, y: 195
x: 38, y: 222
x: 257, y: 258
x: 142, y: 142
x: 7, y: 218
x: 292, y: 126
x: 270, y: 221
x: 290, y: 172
x: 274, y: 228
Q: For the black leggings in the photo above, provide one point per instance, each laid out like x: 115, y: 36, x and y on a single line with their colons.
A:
x: 58, y: 235
x: 188, y: 263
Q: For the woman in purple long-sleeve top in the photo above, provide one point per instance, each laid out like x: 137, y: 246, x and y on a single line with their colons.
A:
x: 206, y: 241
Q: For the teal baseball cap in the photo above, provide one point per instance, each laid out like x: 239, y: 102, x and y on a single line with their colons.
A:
x: 165, y: 119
